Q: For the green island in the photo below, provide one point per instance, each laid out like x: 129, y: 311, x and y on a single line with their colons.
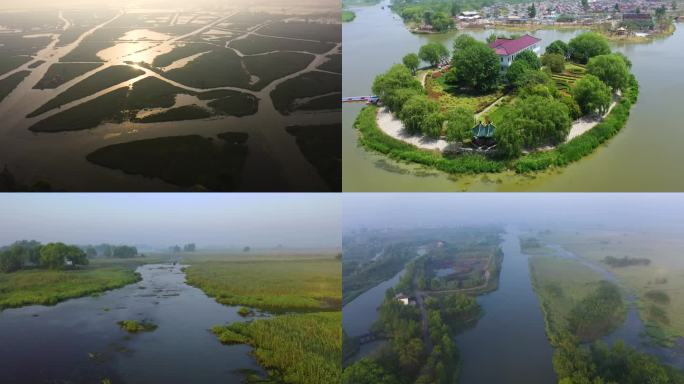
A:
x: 135, y: 326
x: 46, y: 274
x: 302, y: 342
x: 348, y: 16
x: 579, y: 308
x: 420, y: 317
x: 476, y: 111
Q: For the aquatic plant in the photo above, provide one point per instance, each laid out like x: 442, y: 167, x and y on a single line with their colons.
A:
x: 135, y: 326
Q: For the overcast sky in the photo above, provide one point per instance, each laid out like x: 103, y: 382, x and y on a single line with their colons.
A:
x: 619, y: 211
x: 258, y: 220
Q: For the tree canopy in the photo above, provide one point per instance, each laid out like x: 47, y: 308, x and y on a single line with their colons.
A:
x: 554, y: 61
x: 611, y: 69
x: 587, y: 45
x: 592, y: 95
x: 530, y: 58
x: 56, y: 255
x: 459, y: 122
x: 414, y: 112
x: 411, y: 61
x: 387, y: 85
x: 559, y: 47
x: 476, y: 67
x: 366, y: 371
x: 433, y: 53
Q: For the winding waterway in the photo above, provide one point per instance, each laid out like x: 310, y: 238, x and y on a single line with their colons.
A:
x: 78, y: 341
x: 644, y: 156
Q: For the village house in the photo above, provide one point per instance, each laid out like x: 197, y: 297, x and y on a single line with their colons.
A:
x: 508, y: 49
x: 405, y: 300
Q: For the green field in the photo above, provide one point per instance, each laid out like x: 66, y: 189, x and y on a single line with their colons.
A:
x: 271, y: 284
x: 108, y: 107
x: 560, y: 284
x: 303, y: 348
x: 101, y: 80
x: 60, y: 73
x: 187, y: 161
x: 48, y: 287
x: 664, y: 275
x: 322, y: 148
x: 8, y: 84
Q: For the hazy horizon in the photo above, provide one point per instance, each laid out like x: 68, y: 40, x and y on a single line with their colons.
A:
x: 160, y: 220
x: 635, y: 211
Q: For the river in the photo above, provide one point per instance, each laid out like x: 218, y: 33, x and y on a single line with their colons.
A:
x: 507, y: 345
x: 644, y: 156
x: 78, y: 341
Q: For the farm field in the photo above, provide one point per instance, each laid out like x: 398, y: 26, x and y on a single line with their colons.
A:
x: 103, y: 77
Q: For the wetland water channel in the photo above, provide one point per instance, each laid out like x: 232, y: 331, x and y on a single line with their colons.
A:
x: 78, y: 341
x: 511, y: 319
x: 377, y: 38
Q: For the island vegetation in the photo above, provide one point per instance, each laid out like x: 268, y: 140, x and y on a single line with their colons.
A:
x: 302, y: 343
x: 533, y: 105
x: 135, y: 326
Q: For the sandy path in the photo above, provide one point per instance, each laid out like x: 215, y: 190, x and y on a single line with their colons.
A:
x: 586, y: 123
x: 392, y: 126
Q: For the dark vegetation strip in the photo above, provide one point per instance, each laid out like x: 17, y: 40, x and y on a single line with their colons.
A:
x: 186, y: 112
x: 187, y: 161
x: 8, y: 84
x: 106, y: 108
x: 102, y: 80
x: 322, y: 147
x: 60, y: 73
x: 36, y: 64
x: 308, y: 84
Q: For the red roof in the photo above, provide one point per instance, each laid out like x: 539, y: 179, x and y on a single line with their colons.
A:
x: 510, y: 46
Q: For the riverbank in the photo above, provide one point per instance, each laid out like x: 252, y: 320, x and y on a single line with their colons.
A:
x: 303, y: 342
x: 49, y: 287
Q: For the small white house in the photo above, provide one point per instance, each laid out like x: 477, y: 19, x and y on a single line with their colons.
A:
x: 400, y: 297
x: 508, y: 49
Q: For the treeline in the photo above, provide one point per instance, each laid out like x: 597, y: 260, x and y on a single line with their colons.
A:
x: 191, y: 247
x: 111, y: 251
x: 625, y: 261
x: 30, y: 253
x: 599, y: 364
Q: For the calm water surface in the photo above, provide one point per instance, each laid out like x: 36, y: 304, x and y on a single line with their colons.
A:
x: 638, y: 159
x: 78, y: 341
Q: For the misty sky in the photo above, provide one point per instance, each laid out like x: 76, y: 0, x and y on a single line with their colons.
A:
x: 581, y: 210
x: 258, y: 220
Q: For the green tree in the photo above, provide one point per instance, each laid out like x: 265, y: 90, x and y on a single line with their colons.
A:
x: 459, y: 123
x: 587, y: 45
x: 11, y: 260
x: 433, y: 124
x: 491, y: 38
x: 397, y: 77
x: 585, y: 5
x: 476, y: 67
x: 554, y: 61
x: 456, y: 8
x: 516, y: 72
x: 540, y: 120
x: 611, y: 69
x: 124, y: 251
x: 396, y: 99
x: 91, y: 252
x: 558, y: 47
x: 530, y: 58
x: 592, y: 95
x: 366, y: 371
x: 660, y: 12
x: 189, y: 247
x: 509, y: 140
x: 442, y: 22
x: 55, y: 255
x: 532, y: 11
x: 433, y: 53
x: 463, y: 41
x: 411, y: 61
x: 415, y: 110
x: 627, y: 61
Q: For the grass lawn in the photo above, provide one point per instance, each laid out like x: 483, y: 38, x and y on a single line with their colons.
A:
x: 186, y: 161
x: 274, y: 284
x: 40, y: 286
x: 560, y: 284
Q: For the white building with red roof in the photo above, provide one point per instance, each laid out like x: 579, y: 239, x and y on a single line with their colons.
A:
x: 508, y: 49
